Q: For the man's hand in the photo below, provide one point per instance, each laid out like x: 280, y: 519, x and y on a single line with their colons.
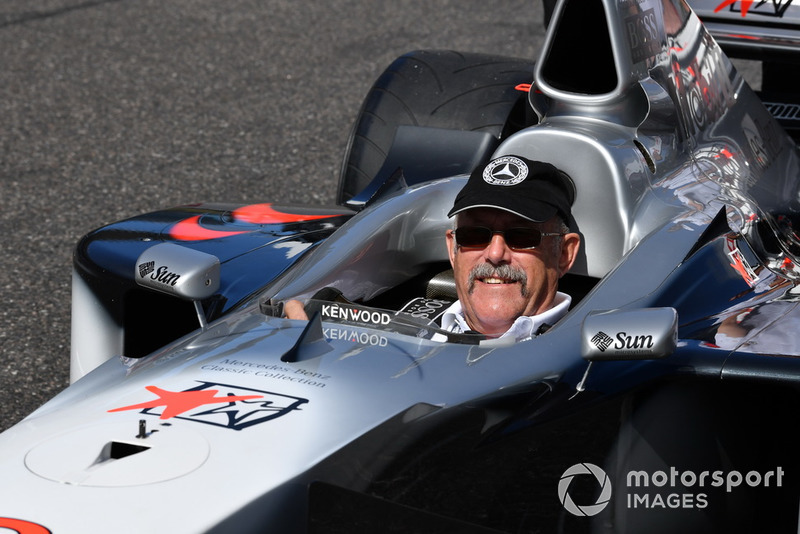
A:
x: 294, y: 310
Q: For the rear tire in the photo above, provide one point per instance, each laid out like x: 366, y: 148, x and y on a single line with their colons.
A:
x: 437, y: 89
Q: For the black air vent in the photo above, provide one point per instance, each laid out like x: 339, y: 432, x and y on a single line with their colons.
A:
x: 118, y: 450
x: 580, y: 58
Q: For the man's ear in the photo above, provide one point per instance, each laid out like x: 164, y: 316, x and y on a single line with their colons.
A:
x: 450, y: 240
x: 570, y: 245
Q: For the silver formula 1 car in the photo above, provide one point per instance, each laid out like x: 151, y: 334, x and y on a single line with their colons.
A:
x: 663, y: 402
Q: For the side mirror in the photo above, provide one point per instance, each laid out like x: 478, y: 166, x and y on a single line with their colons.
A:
x: 636, y: 334
x: 179, y: 271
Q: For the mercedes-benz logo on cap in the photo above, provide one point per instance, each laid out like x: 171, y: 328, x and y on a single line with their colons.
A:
x: 507, y: 170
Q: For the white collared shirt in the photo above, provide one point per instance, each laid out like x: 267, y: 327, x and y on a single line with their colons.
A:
x: 524, y: 328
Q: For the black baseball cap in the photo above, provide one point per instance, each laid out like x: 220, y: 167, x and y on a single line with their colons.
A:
x: 533, y: 190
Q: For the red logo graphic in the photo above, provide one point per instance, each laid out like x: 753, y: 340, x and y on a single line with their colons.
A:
x: 222, y: 405
x: 22, y: 527
x: 746, y: 4
x: 778, y: 7
x: 178, y: 402
x: 192, y: 229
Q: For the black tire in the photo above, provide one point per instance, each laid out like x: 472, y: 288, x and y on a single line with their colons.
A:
x: 438, y: 89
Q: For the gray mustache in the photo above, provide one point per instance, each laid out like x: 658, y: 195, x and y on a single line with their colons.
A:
x: 507, y: 272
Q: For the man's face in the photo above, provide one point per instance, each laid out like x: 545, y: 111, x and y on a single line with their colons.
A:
x: 495, y: 283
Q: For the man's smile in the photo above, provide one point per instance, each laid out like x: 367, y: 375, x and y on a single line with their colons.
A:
x: 496, y: 281
x: 497, y: 276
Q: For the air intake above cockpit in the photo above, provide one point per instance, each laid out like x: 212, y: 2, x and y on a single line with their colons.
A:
x: 579, y: 57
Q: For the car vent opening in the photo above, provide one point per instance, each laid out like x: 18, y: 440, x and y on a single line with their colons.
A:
x: 580, y: 58
x: 153, y: 319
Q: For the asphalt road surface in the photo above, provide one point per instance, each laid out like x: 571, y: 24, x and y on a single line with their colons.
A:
x: 110, y: 108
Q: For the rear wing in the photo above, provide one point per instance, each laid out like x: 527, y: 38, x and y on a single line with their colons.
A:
x: 753, y: 29
x: 767, y: 31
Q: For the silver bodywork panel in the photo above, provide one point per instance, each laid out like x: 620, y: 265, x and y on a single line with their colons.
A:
x: 179, y: 271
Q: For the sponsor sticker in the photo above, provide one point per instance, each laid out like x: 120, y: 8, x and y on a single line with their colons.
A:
x: 776, y: 8
x: 424, y: 308
x: 623, y: 343
x: 146, y: 268
x: 224, y: 405
x: 644, y: 34
x: 356, y: 315
x: 162, y: 275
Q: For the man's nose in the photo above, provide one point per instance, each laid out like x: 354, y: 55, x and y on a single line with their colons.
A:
x: 498, y: 251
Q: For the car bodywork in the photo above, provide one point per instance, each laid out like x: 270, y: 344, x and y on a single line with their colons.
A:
x: 677, y: 358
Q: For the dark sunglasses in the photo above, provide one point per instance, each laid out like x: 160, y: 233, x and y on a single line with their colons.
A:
x: 515, y: 238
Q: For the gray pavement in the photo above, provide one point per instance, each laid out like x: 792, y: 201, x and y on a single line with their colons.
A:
x: 112, y: 108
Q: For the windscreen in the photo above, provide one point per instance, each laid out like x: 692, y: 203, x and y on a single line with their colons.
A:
x: 414, y: 321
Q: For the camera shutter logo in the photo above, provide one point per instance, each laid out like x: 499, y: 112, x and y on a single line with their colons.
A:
x: 602, y: 499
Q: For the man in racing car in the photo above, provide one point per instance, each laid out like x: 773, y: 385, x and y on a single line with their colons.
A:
x: 510, y: 245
